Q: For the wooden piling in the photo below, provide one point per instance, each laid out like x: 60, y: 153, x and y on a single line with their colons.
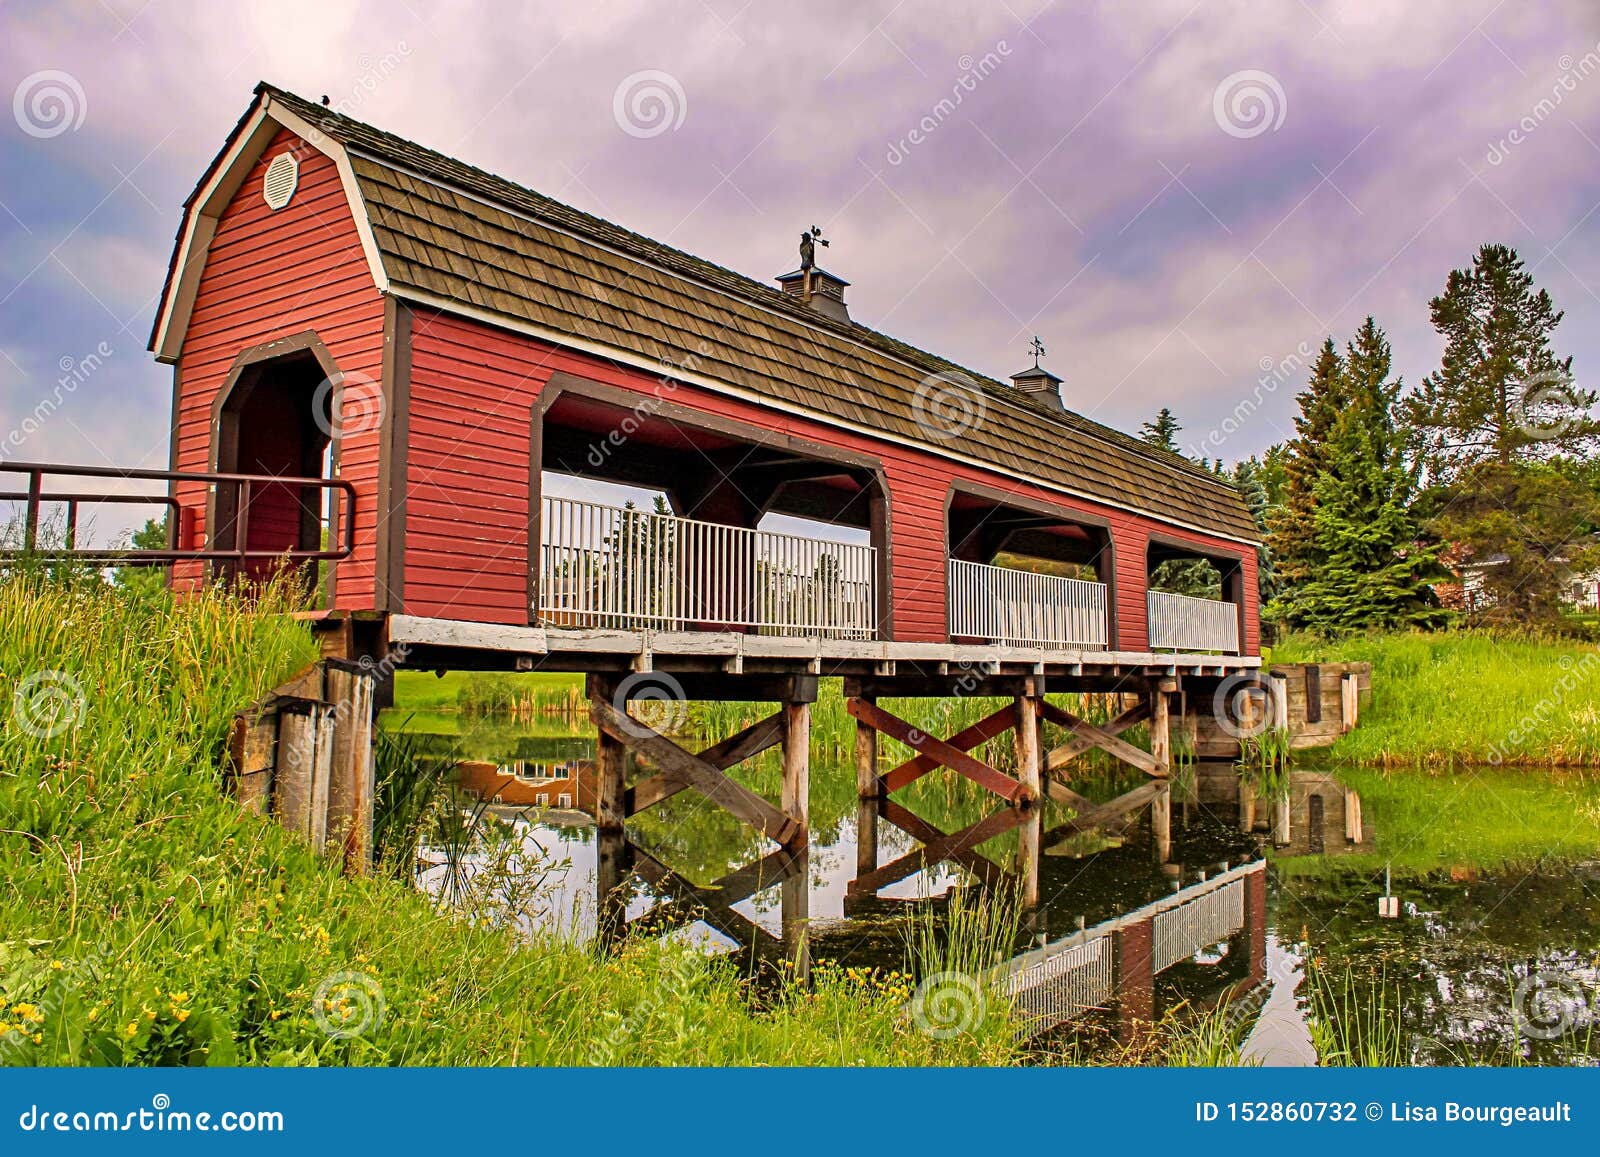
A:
x: 796, y: 800
x: 303, y: 763
x: 252, y: 749
x: 1349, y: 700
x: 1161, y: 729
x: 1030, y: 773
x: 351, y: 779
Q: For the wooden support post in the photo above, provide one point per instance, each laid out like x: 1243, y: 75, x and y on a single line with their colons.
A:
x: 1161, y: 731
x: 351, y: 780
x: 1030, y: 763
x: 610, y: 810
x: 1278, y: 701
x: 796, y: 800
x: 1349, y: 700
x: 867, y: 793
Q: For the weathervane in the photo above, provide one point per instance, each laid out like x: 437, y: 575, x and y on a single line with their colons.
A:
x: 809, y: 240
x: 1036, y: 349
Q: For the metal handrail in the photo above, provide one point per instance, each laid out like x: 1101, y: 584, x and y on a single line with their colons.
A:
x: 1185, y: 623
x: 1006, y: 605
x: 613, y: 567
x: 35, y: 496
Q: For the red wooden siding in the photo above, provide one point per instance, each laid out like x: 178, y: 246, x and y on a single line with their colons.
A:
x: 472, y: 390
x: 467, y: 471
x: 272, y: 275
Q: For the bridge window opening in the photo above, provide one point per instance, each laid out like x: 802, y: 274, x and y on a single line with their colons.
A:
x: 1026, y: 577
x: 1195, y: 600
x: 650, y: 522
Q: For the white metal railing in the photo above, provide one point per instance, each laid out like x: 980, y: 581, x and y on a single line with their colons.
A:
x: 1185, y: 623
x: 1004, y: 605
x: 615, y: 567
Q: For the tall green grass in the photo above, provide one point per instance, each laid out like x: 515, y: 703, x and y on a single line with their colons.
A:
x: 1459, y: 698
x: 145, y: 919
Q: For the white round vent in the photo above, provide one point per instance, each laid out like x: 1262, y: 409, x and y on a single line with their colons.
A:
x: 283, y: 174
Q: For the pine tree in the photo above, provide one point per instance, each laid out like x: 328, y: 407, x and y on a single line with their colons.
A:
x: 1163, y: 431
x: 1371, y: 569
x: 1292, y: 526
x: 1499, y: 426
x: 1500, y: 394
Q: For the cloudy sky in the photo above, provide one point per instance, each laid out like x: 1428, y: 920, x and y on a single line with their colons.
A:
x: 1175, y: 196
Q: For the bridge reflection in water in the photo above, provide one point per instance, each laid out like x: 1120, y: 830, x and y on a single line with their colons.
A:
x: 1164, y: 907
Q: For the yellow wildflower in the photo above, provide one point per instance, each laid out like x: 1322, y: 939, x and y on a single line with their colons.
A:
x: 181, y: 1013
x: 179, y: 997
x: 133, y: 1027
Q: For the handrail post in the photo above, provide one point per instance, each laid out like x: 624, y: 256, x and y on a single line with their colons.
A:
x: 30, y: 532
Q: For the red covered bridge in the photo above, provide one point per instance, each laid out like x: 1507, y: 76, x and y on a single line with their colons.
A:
x: 463, y: 355
x: 342, y: 301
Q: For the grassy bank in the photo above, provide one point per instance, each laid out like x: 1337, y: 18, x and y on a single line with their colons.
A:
x: 1464, y: 698
x: 145, y: 919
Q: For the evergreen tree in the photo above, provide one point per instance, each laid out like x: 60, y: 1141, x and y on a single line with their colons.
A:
x: 1292, y: 525
x: 1499, y: 426
x: 1371, y: 569
x: 1500, y: 394
x: 1163, y: 431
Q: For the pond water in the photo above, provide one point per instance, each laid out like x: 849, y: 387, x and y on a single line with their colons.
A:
x: 1475, y: 964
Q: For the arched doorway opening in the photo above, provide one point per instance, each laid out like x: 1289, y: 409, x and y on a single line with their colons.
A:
x: 276, y: 420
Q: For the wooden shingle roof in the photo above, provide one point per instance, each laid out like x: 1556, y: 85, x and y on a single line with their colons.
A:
x: 450, y: 232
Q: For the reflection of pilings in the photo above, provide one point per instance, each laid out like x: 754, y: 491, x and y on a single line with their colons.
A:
x: 1247, y: 804
x: 796, y: 915
x: 1136, y: 979
x: 866, y: 798
x: 613, y: 864
x: 1280, y: 821
x: 1161, y: 826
